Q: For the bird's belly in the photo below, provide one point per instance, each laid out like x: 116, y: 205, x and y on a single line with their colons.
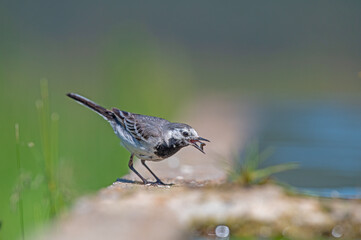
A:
x: 144, y: 152
x: 140, y: 149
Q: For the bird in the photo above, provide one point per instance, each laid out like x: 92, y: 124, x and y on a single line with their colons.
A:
x: 146, y: 137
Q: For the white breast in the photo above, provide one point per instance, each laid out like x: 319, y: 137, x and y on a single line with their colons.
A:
x: 140, y: 149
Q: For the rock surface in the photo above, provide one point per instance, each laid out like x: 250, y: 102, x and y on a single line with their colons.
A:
x: 200, y: 198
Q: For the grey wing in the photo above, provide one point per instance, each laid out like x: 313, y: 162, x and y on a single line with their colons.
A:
x: 140, y: 126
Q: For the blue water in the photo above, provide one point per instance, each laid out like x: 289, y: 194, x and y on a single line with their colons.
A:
x: 323, y: 137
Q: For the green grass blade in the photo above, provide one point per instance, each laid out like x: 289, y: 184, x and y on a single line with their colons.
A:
x: 268, y: 171
x: 20, y: 202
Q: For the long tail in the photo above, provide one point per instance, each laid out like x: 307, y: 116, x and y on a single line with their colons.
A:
x: 105, y: 113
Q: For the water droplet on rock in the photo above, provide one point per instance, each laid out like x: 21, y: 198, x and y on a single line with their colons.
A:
x: 337, y: 231
x: 222, y: 231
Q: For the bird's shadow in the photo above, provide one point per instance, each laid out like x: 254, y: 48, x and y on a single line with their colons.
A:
x: 124, y: 180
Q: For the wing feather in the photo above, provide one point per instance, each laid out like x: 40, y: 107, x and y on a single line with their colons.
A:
x: 140, y: 126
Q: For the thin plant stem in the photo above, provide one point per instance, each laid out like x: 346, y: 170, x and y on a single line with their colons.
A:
x: 20, y: 202
x: 55, y: 156
x: 46, y: 133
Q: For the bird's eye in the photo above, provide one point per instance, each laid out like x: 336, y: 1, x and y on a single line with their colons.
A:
x: 185, y: 134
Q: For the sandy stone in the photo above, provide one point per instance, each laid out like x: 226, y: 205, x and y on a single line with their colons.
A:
x: 200, y: 199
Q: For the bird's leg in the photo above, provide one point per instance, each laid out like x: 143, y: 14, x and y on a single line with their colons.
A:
x: 158, y: 180
x: 130, y: 164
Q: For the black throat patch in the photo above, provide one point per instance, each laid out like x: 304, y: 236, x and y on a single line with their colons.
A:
x: 164, y: 150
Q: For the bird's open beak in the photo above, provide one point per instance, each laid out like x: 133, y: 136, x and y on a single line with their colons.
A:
x: 194, y: 142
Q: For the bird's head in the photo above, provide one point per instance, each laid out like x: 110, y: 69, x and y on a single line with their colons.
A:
x: 184, y: 135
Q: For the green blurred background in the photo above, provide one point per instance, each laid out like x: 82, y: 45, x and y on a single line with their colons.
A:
x: 152, y: 57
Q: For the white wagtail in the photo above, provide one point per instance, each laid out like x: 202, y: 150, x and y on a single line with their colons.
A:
x: 148, y: 138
